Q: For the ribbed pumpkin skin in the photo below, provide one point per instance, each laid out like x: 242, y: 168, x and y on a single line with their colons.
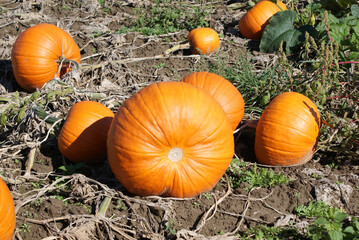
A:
x: 158, y: 119
x: 83, y: 136
x: 7, y: 213
x: 203, y: 40
x: 287, y: 131
x: 253, y: 23
x: 225, y: 93
x: 35, y: 54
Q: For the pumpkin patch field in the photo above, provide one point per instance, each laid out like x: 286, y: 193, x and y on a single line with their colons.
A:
x: 161, y: 119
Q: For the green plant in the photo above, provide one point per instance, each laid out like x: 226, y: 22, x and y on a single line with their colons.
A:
x: 207, y: 195
x: 258, y: 177
x: 71, y: 168
x: 344, y: 31
x: 121, y: 205
x: 261, y: 232
x: 25, y: 228
x: 165, y: 17
x: 330, y: 223
x: 315, y: 209
x: 329, y: 228
x: 256, y: 87
x: 170, y: 227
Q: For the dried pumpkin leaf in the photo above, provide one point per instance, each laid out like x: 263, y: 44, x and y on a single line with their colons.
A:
x: 281, y: 28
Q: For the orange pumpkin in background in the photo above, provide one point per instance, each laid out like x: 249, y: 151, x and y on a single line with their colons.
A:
x: 253, y: 23
x: 203, y: 40
x: 225, y: 93
x: 37, y: 53
x: 287, y: 131
x: 170, y: 139
x: 7, y: 212
x: 83, y: 136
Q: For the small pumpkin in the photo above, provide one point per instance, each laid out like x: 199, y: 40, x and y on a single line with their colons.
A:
x: 203, y: 40
x: 287, y: 131
x: 37, y: 53
x: 7, y: 212
x: 225, y: 93
x: 170, y: 139
x: 84, y: 134
x: 253, y: 23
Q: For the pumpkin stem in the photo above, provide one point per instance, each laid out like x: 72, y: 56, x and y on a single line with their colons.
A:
x: 103, y: 207
x: 182, y: 45
x: 175, y: 154
x: 30, y: 162
x: 65, y: 64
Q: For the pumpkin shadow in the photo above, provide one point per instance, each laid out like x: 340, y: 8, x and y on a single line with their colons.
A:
x: 244, y: 144
x: 232, y: 30
x: 7, y: 79
x: 61, y: 166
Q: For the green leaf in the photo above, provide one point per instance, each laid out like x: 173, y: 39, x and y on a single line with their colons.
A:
x: 340, y: 216
x: 321, y: 220
x: 335, y: 235
x: 349, y: 230
x: 355, y: 10
x: 281, y: 29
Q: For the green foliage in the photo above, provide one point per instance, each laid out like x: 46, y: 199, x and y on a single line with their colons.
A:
x: 256, y: 87
x: 330, y: 223
x: 71, y: 168
x: 261, y: 232
x: 165, y: 17
x: 344, y: 31
x: 258, y: 177
x: 281, y: 29
x: 316, y: 209
x: 121, y: 205
x: 170, y: 227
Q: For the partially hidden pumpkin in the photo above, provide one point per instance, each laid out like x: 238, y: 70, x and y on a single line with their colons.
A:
x: 253, y: 23
x: 38, y: 53
x: 225, y: 93
x: 170, y: 139
x: 287, y: 131
x: 7, y: 212
x: 83, y: 136
x: 203, y: 40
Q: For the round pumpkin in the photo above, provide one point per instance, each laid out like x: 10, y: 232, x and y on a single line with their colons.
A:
x: 253, y: 23
x: 203, y: 40
x: 225, y: 93
x: 84, y: 134
x: 7, y: 212
x: 37, y: 52
x: 287, y: 131
x: 170, y: 139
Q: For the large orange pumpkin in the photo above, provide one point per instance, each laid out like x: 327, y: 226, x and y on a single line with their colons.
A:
x: 7, y: 213
x: 203, y: 40
x: 170, y: 139
x: 287, y: 131
x: 253, y: 23
x: 37, y: 52
x: 223, y: 91
x: 84, y: 134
